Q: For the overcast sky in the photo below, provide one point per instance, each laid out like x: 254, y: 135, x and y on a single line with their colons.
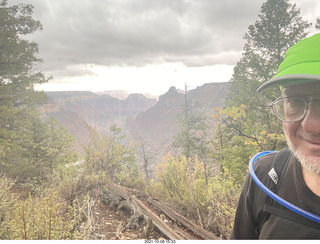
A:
x: 144, y: 46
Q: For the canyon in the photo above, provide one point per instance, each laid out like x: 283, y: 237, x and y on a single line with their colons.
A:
x: 145, y: 119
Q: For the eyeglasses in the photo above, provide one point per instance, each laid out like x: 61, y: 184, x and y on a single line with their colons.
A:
x: 292, y: 109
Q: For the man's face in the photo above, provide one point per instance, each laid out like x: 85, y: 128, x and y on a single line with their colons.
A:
x: 303, y: 137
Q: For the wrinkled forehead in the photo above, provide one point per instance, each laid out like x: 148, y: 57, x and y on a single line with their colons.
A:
x: 302, y: 89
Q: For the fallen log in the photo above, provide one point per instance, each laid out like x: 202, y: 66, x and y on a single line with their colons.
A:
x: 157, y: 221
x: 181, y: 220
x: 134, y: 203
x: 135, y: 207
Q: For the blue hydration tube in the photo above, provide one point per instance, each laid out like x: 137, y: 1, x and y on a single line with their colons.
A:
x: 280, y: 200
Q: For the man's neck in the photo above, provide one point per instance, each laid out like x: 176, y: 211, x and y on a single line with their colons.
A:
x: 312, y: 180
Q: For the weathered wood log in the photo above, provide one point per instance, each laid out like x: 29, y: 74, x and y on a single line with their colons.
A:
x: 118, y: 192
x: 119, y: 229
x: 134, y: 221
x: 127, y: 207
x: 165, y: 229
x: 181, y: 220
x: 146, y: 231
x: 180, y: 228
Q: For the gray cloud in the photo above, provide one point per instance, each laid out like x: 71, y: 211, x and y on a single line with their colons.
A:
x: 140, y: 32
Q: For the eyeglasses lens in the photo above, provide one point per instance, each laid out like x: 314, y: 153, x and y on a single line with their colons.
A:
x: 290, y: 109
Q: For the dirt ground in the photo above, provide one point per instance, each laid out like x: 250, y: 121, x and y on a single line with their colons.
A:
x: 108, y: 225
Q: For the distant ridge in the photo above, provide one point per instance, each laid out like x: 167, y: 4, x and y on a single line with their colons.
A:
x: 120, y: 94
x: 78, y: 111
x: 153, y: 121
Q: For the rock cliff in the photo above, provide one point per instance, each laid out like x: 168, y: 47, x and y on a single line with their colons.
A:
x: 158, y: 125
x: 155, y: 122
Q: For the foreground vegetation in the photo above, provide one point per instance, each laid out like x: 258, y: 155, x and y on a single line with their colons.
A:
x: 45, y: 187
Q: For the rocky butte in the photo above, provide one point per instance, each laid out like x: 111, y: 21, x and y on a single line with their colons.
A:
x: 158, y: 125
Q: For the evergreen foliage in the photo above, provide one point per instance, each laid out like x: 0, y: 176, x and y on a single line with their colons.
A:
x: 246, y: 123
x: 30, y: 148
x: 192, y: 138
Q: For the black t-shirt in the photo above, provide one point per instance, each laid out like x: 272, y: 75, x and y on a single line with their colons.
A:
x: 292, y: 189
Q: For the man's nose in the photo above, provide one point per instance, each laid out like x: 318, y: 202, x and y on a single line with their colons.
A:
x: 311, y: 122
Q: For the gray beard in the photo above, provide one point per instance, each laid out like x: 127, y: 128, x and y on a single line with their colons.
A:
x: 311, y: 164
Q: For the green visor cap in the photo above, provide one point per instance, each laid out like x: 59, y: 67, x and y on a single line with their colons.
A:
x: 301, y: 64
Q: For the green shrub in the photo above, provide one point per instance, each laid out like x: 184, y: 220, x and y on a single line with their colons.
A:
x: 209, y: 201
x: 38, y: 218
x: 7, y: 204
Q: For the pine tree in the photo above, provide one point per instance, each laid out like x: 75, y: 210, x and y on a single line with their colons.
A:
x: 17, y: 76
x: 279, y: 27
x: 17, y: 62
x: 29, y: 147
x: 192, y: 139
x: 247, y: 125
x: 18, y: 56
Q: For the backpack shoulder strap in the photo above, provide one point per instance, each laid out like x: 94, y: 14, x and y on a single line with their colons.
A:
x: 278, y: 167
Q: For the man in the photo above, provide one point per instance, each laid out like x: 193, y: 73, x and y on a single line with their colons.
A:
x: 299, y: 110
